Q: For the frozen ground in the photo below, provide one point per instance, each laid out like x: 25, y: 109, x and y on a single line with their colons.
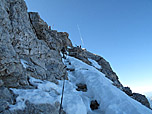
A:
x: 150, y: 101
x: 111, y: 99
x: 95, y: 64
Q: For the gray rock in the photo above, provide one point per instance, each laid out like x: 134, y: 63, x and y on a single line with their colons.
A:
x: 127, y: 90
x: 55, y: 40
x: 27, y: 36
x: 6, y: 98
x: 141, y: 98
x: 6, y: 95
x: 3, y: 105
x: 11, y: 70
x: 21, y: 39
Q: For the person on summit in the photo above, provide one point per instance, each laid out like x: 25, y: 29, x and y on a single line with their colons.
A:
x: 80, y: 46
x: 63, y: 50
x: 49, y: 27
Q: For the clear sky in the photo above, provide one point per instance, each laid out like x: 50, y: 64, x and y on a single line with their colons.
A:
x: 118, y: 30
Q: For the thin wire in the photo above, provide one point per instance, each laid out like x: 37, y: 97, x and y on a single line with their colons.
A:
x: 62, y: 94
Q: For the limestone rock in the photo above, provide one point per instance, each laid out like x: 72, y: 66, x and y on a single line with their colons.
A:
x: 127, y: 90
x: 141, y: 98
x: 22, y: 39
x: 3, y: 105
x: 10, y: 68
x: 81, y: 87
x: 55, y: 40
x: 94, y: 105
x: 6, y: 95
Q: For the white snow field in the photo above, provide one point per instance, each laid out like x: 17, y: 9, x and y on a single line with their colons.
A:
x: 111, y: 100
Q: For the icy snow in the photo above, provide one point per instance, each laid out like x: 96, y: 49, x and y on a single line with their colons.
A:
x: 24, y: 63
x: 111, y: 99
x: 150, y: 101
x: 94, y: 63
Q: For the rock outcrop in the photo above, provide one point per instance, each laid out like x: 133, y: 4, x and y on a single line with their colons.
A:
x: 11, y: 70
x: 85, y: 55
x: 128, y: 91
x: 94, y: 105
x: 141, y: 98
x: 26, y: 39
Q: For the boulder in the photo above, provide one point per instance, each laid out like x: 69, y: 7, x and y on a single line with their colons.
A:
x: 11, y: 70
x: 94, y: 105
x: 55, y: 40
x: 81, y: 87
x: 127, y: 90
x: 141, y: 98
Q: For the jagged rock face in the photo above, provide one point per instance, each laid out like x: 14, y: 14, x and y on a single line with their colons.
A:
x: 23, y: 41
x: 11, y: 70
x: 127, y: 90
x: 25, y: 36
x: 84, y: 55
x: 141, y: 98
x: 55, y: 40
x: 6, y: 98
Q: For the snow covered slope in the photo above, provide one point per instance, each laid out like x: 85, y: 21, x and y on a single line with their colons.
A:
x: 95, y: 64
x: 150, y: 101
x: 111, y: 100
x: 149, y: 97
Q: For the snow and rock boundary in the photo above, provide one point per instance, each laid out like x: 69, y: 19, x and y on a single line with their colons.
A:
x: 29, y: 48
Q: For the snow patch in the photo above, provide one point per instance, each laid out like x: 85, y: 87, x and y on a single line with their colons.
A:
x: 45, y: 93
x: 95, y: 64
x: 150, y: 101
x: 111, y: 100
x: 24, y: 63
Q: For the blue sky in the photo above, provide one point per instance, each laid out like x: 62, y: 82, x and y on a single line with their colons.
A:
x: 118, y: 30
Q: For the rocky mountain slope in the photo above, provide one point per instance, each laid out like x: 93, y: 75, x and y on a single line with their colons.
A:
x: 29, y: 51
x: 150, y: 101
